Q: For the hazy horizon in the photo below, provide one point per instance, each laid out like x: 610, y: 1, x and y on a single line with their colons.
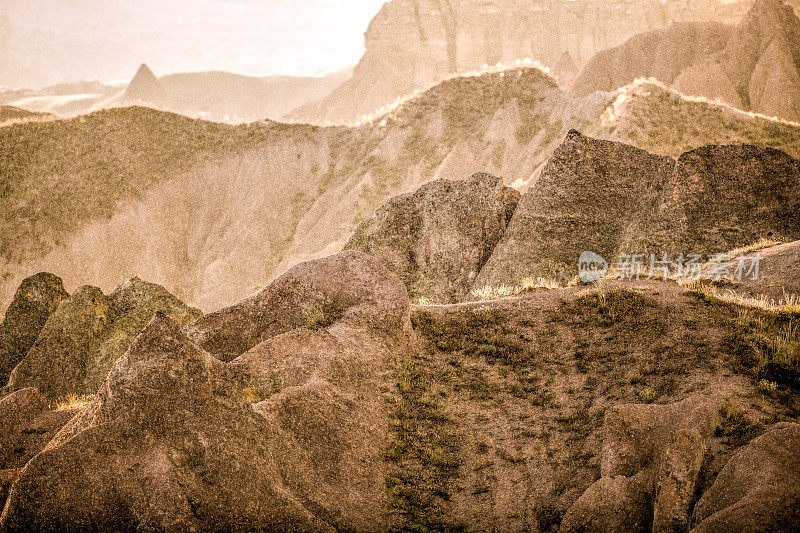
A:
x: 107, y: 40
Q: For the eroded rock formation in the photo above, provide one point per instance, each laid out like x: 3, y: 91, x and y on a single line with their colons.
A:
x: 413, y: 43
x: 438, y: 238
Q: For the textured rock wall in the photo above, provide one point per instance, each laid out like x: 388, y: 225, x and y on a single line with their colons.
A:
x: 412, y: 43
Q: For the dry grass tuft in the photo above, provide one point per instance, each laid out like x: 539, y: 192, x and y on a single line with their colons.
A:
x: 494, y: 292
x: 790, y: 304
x: 71, y: 401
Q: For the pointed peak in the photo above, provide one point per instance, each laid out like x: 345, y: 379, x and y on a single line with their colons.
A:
x: 144, y: 72
x: 144, y: 86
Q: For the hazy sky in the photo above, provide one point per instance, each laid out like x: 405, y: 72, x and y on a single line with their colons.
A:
x: 111, y: 37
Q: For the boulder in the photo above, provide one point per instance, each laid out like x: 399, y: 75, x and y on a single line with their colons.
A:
x: 132, y: 305
x: 590, y: 196
x: 677, y: 481
x: 169, y: 443
x: 649, y: 467
x: 438, y: 238
x: 80, y: 342
x: 731, y: 196
x: 323, y: 386
x: 759, y: 488
x: 36, y: 299
x: 613, y: 199
x: 349, y: 288
x: 56, y: 363
x: 637, y: 436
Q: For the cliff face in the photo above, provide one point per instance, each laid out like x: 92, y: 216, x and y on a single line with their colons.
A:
x: 753, y: 66
x: 412, y: 43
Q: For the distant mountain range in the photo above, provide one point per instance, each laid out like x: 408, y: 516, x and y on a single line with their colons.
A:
x: 218, y: 96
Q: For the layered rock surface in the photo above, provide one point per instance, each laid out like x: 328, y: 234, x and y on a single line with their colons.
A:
x: 411, y: 44
x: 755, y: 67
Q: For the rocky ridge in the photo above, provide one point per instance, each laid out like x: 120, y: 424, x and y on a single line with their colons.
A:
x: 755, y: 67
x: 331, y: 179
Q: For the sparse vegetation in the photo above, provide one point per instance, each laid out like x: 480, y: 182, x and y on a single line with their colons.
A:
x: 768, y: 345
x: 735, y: 426
x: 422, y: 450
x: 714, y: 293
x: 71, y: 401
x: 259, y: 394
x: 648, y: 396
x: 317, y: 318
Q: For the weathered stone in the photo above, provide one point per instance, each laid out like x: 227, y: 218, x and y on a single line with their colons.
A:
x: 56, y: 363
x: 677, y: 481
x: 350, y: 287
x: 174, y: 445
x: 612, y: 505
x: 438, y: 238
x: 612, y: 199
x: 588, y: 197
x: 637, y: 436
x: 27, y: 425
x: 82, y: 340
x: 36, y: 299
x: 759, y: 488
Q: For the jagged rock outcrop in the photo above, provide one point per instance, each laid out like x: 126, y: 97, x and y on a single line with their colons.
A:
x: 438, y: 238
x: 159, y: 440
x: 89, y: 331
x: 413, y: 43
x: 613, y: 199
x: 650, y: 466
x: 173, y: 442
x: 588, y: 197
x: 755, y: 67
x: 36, y: 299
x: 663, y: 54
x: 759, y: 488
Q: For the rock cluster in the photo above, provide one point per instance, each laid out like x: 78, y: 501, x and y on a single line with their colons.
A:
x: 81, y: 339
x: 650, y: 472
x: 287, y: 437
x: 613, y: 199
